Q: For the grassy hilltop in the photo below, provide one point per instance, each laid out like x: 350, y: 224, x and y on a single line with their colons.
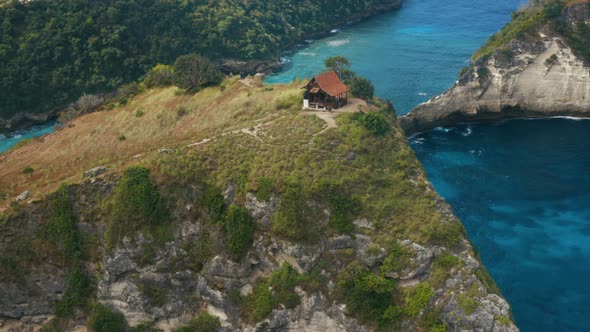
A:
x: 345, y: 184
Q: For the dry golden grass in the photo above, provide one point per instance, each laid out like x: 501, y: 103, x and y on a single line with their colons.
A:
x: 95, y: 139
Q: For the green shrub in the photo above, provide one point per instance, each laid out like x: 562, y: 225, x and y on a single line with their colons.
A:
x: 264, y: 188
x: 362, y: 88
x: 292, y: 219
x: 193, y: 71
x: 155, y: 293
x: 441, y: 268
x: 76, y: 294
x: 446, y: 234
x: 160, y: 75
x: 28, y: 170
x: 60, y: 229
x: 104, y: 319
x: 375, y: 122
x: 239, y: 227
x: 145, y: 327
x: 139, y: 113
x: 397, y: 257
x: 136, y: 205
x: 204, y: 323
x: 122, y: 137
x: 283, y: 283
x: 213, y: 202
x: 342, y: 209
x: 182, y: 111
x: 417, y: 299
x: 278, y: 289
x: 366, y: 295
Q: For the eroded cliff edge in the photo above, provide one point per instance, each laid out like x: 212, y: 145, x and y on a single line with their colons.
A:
x: 346, y: 233
x: 536, y: 73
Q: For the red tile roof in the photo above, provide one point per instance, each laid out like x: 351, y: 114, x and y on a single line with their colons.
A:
x: 331, y: 84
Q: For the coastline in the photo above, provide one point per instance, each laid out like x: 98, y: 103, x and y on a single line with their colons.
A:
x: 23, y: 121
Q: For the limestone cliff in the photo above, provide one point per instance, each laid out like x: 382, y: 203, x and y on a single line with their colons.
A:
x: 535, y: 75
x: 265, y: 217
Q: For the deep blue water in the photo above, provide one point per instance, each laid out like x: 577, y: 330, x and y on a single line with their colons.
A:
x: 522, y: 190
x: 520, y: 187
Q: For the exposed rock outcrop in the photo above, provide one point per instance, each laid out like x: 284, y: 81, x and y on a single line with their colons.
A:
x: 528, y: 78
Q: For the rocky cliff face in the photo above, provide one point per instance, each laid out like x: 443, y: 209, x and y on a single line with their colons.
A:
x: 130, y: 277
x: 528, y: 78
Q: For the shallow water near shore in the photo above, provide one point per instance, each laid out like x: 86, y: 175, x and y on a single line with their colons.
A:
x: 9, y: 140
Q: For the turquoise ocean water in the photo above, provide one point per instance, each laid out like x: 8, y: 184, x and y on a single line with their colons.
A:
x: 520, y: 187
x: 9, y: 140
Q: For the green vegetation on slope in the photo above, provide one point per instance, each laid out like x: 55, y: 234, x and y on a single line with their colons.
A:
x: 526, y: 24
x: 53, y: 51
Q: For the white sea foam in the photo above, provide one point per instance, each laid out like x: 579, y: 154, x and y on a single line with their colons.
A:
x: 422, y: 94
x: 338, y: 43
x: 334, y: 31
x: 420, y: 140
x: 467, y: 132
x: 443, y: 129
x: 309, y: 53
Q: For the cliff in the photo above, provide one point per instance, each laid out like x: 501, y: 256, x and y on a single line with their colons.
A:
x: 233, y: 208
x: 534, y: 71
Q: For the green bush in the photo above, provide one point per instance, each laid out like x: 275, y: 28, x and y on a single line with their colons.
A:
x: 104, y: 319
x: 362, y: 88
x: 139, y: 113
x: 160, y: 75
x: 367, y: 296
x: 60, y: 229
x: 264, y: 188
x: 28, y: 170
x: 76, y: 294
x: 417, y: 299
x: 239, y: 227
x: 375, y: 122
x: 204, y: 323
x: 193, y: 71
x: 145, y: 327
x: 136, y: 205
x: 278, y: 289
x: 342, y: 208
x: 213, y: 202
x: 292, y: 219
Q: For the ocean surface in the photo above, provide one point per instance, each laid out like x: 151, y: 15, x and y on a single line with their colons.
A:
x: 520, y: 187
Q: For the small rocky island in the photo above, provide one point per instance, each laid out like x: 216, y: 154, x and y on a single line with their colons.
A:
x: 537, y: 66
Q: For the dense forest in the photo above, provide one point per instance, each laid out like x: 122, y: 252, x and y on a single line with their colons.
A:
x: 51, y: 52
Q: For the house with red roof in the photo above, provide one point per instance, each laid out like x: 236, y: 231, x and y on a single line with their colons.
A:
x: 325, y: 92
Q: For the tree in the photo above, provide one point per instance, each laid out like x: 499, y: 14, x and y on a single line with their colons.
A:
x: 375, y: 123
x: 340, y: 65
x: 239, y: 227
x: 160, y: 75
x: 193, y: 71
x: 362, y: 88
x: 104, y: 319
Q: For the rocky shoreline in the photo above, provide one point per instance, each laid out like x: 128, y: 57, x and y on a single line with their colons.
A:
x: 527, y: 79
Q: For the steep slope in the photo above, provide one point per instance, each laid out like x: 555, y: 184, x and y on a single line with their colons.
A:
x: 537, y: 66
x: 242, y: 207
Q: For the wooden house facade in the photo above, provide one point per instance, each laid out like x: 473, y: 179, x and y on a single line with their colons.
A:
x: 325, y: 92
